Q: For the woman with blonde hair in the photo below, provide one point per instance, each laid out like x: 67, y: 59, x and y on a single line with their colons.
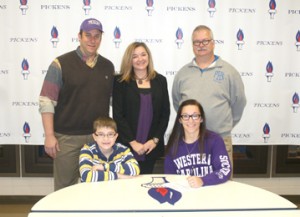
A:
x: 141, y: 106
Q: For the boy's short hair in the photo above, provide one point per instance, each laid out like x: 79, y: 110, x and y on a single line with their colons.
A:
x: 104, y: 122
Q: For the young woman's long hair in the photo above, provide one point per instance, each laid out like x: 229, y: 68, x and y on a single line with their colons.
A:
x: 126, y: 66
x: 178, y: 131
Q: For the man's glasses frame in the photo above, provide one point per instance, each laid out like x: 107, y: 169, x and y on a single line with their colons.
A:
x: 204, y: 42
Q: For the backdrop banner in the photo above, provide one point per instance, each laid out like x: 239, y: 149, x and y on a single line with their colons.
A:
x: 260, y: 38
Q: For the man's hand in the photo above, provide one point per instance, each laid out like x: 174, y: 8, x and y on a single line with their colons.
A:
x: 51, y: 146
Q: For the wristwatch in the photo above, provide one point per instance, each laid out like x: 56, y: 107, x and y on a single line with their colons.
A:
x: 155, y: 140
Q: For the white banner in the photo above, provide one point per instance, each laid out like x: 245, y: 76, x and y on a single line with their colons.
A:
x: 261, y: 38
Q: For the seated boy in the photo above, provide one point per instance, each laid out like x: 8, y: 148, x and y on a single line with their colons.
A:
x: 104, y: 159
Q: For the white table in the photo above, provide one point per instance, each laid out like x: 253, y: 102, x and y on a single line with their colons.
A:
x: 129, y: 197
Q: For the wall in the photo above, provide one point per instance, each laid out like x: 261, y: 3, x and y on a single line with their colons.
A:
x: 246, y: 34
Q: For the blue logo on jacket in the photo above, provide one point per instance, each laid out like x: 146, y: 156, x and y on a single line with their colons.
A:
x: 219, y: 76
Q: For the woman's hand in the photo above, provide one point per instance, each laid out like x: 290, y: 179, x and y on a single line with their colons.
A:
x: 195, y: 181
x: 137, y: 147
x: 149, y: 146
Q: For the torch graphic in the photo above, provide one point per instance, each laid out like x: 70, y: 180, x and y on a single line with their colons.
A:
x: 295, y: 102
x: 25, y: 69
x: 266, y: 131
x: 272, y: 10
x: 117, y: 37
x: 269, y: 73
x: 23, y: 6
x: 26, y: 130
x: 211, y: 10
x: 54, y: 35
x: 156, y: 182
x: 298, y: 40
x: 240, y: 39
x: 149, y: 7
x: 179, y: 36
x: 86, y: 6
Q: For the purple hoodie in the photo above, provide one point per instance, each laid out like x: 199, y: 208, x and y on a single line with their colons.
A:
x: 213, y: 166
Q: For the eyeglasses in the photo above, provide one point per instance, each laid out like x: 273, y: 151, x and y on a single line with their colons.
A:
x: 103, y: 135
x: 187, y: 117
x: 204, y: 42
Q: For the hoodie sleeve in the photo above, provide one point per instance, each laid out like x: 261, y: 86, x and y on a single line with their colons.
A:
x: 220, y: 162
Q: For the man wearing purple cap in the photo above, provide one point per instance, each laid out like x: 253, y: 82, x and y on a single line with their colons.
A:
x: 76, y: 90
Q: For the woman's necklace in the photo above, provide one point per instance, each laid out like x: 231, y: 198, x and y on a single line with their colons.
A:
x: 192, y: 149
x: 189, y: 153
x: 140, y: 80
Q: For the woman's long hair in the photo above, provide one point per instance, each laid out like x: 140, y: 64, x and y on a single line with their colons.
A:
x: 178, y: 131
x: 126, y: 70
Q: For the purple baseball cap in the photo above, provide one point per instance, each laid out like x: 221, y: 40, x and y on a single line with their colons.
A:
x: 91, y: 23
